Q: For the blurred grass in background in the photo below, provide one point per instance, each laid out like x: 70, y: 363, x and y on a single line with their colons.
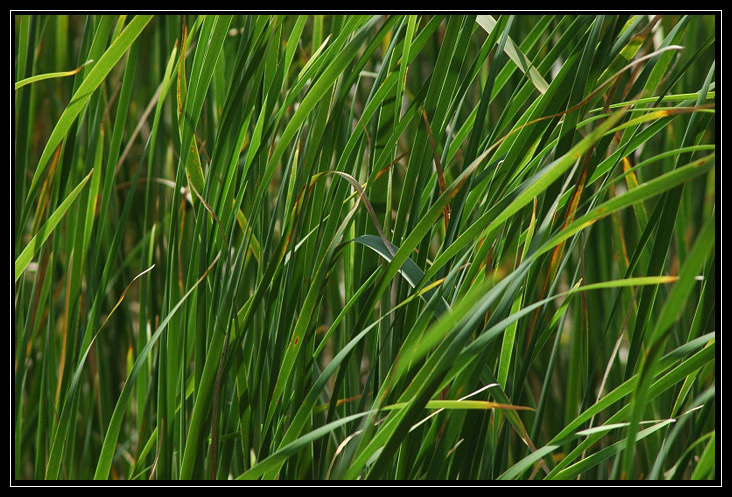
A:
x: 379, y: 247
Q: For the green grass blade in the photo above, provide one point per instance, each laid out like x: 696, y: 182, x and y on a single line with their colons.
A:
x: 112, y: 432
x: 488, y: 23
x: 35, y: 244
x: 82, y: 95
x: 50, y: 75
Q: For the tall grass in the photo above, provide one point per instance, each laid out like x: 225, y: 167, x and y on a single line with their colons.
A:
x: 364, y: 247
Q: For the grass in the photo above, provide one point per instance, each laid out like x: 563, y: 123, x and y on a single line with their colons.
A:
x: 379, y: 247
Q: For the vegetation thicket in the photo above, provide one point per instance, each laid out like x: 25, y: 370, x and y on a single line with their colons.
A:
x: 420, y: 247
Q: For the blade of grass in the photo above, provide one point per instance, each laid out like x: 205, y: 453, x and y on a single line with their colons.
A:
x: 25, y: 257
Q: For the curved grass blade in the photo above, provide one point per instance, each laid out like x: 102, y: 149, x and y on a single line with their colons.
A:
x: 110, y: 437
x: 409, y: 270
x: 51, y: 75
x: 59, y: 440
